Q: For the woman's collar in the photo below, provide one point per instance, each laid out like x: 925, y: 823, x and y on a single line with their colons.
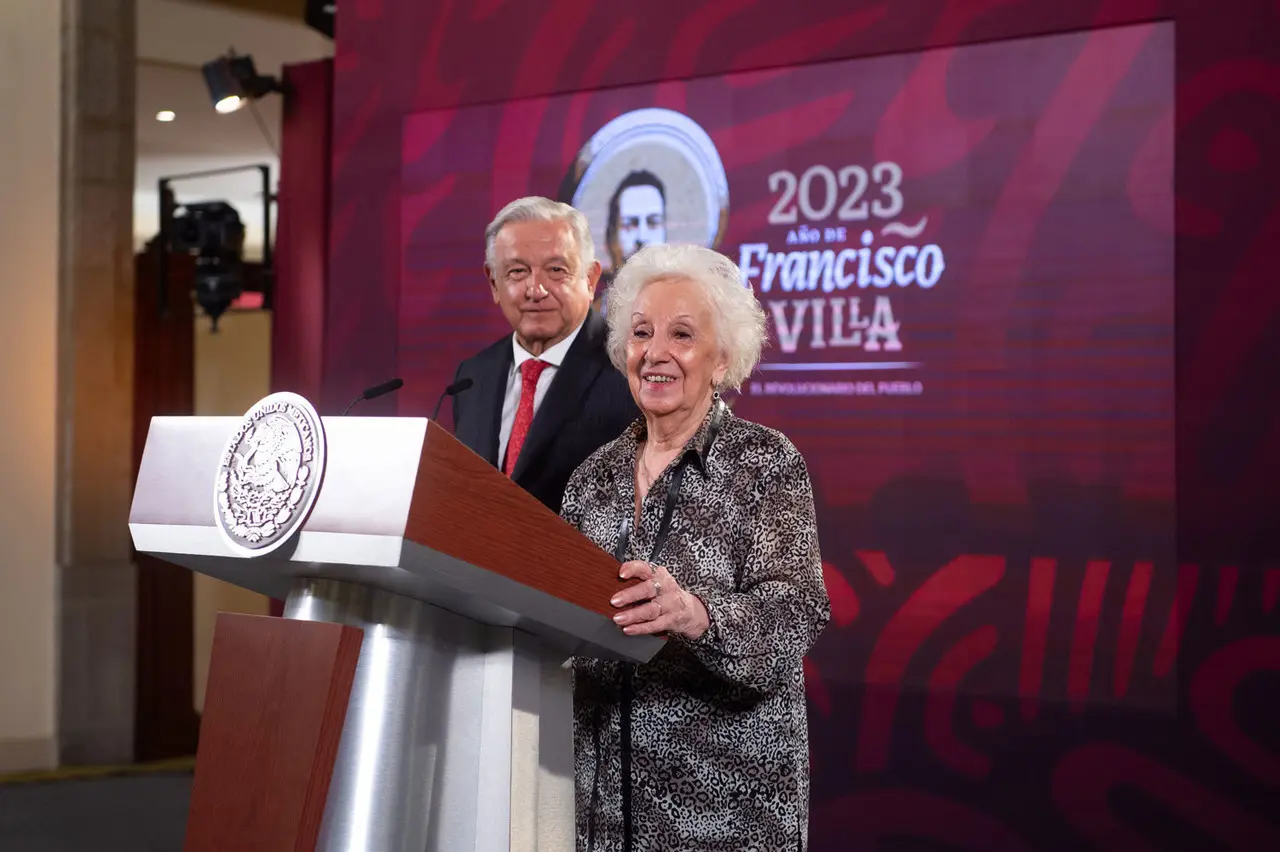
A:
x: 698, y: 447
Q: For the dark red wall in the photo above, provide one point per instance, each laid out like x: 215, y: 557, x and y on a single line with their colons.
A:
x: 302, y: 235
x: 396, y: 57
x: 302, y: 241
x: 1052, y: 777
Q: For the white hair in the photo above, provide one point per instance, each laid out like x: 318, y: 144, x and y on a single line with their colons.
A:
x: 535, y: 208
x: 739, y: 319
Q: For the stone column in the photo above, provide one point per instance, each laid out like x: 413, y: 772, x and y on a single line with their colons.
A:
x: 97, y: 580
x: 30, y: 103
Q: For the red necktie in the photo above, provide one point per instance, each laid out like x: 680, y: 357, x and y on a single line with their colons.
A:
x: 529, y: 372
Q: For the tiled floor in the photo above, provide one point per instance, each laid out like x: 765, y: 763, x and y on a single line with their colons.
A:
x: 123, y: 814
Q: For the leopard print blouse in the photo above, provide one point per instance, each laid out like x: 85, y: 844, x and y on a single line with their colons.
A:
x: 706, y: 746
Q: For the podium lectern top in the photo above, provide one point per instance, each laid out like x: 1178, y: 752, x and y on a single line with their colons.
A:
x: 396, y: 504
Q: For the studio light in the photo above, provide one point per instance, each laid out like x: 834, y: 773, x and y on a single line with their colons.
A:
x: 213, y: 233
x: 232, y: 80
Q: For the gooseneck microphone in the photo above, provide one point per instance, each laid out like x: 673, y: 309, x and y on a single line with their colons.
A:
x: 453, y: 389
x: 375, y: 392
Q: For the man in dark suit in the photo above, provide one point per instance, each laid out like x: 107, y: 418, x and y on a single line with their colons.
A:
x: 546, y: 396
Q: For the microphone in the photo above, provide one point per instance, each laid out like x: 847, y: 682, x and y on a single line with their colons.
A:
x: 453, y: 389
x: 375, y: 392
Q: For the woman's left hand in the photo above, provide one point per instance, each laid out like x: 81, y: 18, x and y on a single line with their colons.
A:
x: 657, y: 604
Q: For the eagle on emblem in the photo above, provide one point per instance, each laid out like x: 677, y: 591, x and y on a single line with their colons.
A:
x: 270, y: 458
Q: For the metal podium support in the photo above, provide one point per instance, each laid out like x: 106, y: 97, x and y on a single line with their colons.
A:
x: 429, y: 730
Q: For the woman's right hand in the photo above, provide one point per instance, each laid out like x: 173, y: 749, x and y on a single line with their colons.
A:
x: 658, y: 604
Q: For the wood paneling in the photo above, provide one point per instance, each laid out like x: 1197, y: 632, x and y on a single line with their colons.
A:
x: 165, y: 721
x: 456, y: 497
x: 277, y: 701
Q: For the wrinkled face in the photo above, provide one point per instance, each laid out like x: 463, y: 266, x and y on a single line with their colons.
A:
x: 642, y: 219
x: 674, y: 359
x: 538, y: 281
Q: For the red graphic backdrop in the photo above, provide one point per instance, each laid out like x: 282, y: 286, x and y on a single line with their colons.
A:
x: 1020, y: 656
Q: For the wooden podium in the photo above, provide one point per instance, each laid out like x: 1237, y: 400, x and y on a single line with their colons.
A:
x: 414, y: 695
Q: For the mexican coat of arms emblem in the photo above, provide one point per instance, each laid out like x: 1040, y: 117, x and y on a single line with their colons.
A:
x: 269, y: 474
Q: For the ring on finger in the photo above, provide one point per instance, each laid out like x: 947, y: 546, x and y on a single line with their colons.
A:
x: 657, y: 588
x: 653, y: 571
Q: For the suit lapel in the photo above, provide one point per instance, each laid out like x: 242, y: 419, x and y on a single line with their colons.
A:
x: 492, y: 394
x: 563, y: 400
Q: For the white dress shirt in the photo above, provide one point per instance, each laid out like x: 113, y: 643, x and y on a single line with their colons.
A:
x: 554, y: 357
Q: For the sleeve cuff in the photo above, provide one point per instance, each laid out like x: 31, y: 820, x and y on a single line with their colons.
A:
x: 711, y: 636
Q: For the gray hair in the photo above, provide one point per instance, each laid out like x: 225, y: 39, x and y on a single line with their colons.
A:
x: 535, y: 208
x: 739, y: 319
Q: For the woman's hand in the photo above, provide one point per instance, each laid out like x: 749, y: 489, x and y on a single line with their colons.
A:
x: 657, y: 604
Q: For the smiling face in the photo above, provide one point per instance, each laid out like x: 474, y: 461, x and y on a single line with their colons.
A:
x: 674, y: 359
x: 538, y: 281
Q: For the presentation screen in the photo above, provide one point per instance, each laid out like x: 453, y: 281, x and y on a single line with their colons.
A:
x: 966, y: 259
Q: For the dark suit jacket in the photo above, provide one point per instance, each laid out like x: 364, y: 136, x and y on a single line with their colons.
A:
x: 586, y: 407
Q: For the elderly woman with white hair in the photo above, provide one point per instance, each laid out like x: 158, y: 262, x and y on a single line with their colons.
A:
x: 706, y: 746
